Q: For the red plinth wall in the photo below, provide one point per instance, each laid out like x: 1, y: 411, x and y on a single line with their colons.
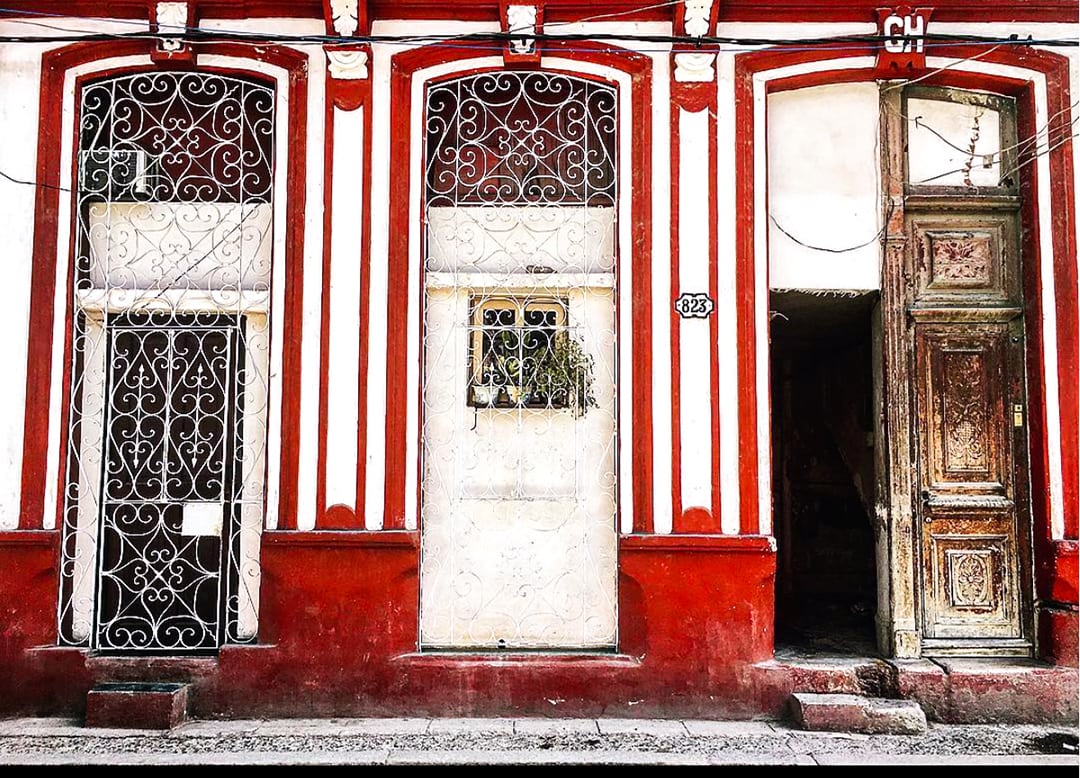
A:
x: 338, y: 631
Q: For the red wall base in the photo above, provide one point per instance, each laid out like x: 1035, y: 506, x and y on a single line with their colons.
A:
x: 338, y: 637
x: 1058, y: 639
x: 339, y: 625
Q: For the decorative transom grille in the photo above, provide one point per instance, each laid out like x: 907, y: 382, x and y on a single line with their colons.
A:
x: 513, y: 138
x: 170, y: 357
x: 519, y: 411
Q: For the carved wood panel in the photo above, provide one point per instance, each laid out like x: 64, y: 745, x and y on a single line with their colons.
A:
x: 972, y: 573
x: 962, y: 387
x: 964, y: 259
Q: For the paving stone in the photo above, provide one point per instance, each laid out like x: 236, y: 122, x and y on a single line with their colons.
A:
x: 298, y: 727
x: 477, y: 757
x: 470, y: 726
x: 215, y: 728
x: 654, y: 727
x: 360, y: 727
x: 942, y: 760
x: 852, y: 713
x: 729, y: 728
x: 376, y: 757
x: 556, y: 727
x: 36, y: 726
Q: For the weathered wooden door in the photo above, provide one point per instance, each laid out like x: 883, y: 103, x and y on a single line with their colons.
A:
x: 965, y: 314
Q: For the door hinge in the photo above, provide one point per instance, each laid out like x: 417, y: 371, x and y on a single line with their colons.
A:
x: 1018, y: 415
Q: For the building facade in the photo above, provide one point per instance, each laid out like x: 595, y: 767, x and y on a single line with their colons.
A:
x: 486, y: 357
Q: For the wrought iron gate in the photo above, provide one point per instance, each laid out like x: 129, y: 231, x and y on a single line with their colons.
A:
x: 520, y: 362
x: 170, y: 482
x: 170, y: 351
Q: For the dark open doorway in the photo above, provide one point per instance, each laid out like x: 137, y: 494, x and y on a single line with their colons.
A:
x: 822, y: 357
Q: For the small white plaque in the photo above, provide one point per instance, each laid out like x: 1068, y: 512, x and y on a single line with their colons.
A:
x: 201, y: 518
x: 696, y: 305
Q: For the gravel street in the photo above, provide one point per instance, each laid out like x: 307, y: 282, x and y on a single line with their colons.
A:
x: 524, y: 741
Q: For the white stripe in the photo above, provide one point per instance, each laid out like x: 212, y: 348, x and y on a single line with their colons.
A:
x: 342, y: 394
x: 662, y: 299
x: 695, y: 377
x: 726, y: 300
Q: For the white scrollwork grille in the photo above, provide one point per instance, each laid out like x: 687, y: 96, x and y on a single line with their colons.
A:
x: 519, y: 422
x: 170, y: 357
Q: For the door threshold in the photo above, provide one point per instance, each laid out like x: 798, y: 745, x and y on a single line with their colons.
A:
x: 976, y: 649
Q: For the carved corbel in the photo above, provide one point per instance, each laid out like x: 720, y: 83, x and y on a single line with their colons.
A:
x: 693, y: 63
x: 346, y: 62
x: 170, y: 19
x: 524, y: 21
x: 346, y: 18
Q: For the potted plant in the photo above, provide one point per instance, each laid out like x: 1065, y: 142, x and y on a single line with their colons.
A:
x: 563, y: 374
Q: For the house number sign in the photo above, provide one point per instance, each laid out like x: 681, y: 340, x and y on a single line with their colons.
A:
x: 696, y: 305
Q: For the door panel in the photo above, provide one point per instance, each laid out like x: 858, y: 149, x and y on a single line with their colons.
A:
x: 964, y: 257
x: 519, y: 512
x: 962, y: 370
x: 966, y: 386
x: 973, y: 589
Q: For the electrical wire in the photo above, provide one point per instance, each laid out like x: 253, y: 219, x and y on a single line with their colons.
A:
x: 828, y: 250
x: 194, y: 34
x: 14, y: 180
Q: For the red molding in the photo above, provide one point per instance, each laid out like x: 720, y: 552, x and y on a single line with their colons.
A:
x: 693, y: 98
x: 1055, y: 67
x: 40, y: 367
x: 760, y: 544
x: 585, y: 662
x: 572, y: 10
x: 403, y: 68
x: 746, y: 297
x: 23, y: 537
x: 376, y: 539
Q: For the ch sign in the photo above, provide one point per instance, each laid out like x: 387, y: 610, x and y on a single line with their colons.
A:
x: 903, y: 44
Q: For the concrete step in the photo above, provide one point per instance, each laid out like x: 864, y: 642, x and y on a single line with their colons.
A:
x: 853, y: 713
x: 137, y: 705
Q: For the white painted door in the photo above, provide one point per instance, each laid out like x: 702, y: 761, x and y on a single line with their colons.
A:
x: 518, y: 516
x: 519, y: 420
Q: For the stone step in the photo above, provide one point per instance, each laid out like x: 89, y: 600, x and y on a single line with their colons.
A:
x: 853, y: 713
x: 137, y: 705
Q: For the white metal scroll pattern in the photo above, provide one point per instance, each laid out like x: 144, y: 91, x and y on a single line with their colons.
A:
x: 170, y: 345
x: 519, y: 411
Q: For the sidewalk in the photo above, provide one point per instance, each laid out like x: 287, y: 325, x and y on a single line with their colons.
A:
x: 524, y: 741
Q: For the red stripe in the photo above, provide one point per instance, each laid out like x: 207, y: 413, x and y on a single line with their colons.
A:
x: 745, y: 297
x: 676, y: 332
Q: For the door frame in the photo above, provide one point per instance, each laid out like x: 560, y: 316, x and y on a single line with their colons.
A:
x: 1039, y: 80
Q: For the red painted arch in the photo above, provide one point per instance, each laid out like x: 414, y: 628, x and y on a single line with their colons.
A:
x: 40, y: 368
x: 1055, y: 69
x: 404, y: 66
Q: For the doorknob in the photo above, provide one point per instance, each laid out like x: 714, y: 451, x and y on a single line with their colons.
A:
x: 924, y: 495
